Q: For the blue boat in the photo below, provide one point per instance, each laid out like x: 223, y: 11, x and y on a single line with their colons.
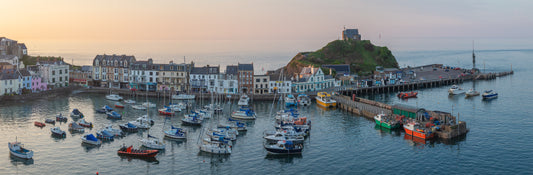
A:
x: 284, y: 147
x: 290, y: 101
x: 114, y: 115
x: 176, y: 133
x: 489, y: 94
x: 76, y: 113
x: 104, y: 135
x: 128, y: 127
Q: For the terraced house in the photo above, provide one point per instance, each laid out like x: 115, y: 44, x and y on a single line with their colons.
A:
x: 9, y: 82
x: 312, y: 79
x: 55, y: 73
x: 173, y: 76
x: 112, y: 70
x: 144, y: 75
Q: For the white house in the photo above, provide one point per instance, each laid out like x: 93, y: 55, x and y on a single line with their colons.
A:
x: 203, y: 79
x: 55, y: 73
x: 10, y: 82
x: 312, y: 79
x: 226, y: 85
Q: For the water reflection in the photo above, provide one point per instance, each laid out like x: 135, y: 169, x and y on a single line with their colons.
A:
x: 19, y: 161
x: 89, y: 147
x: 284, y: 158
x: 214, y: 159
x: 147, y: 159
x: 418, y: 142
x: 386, y: 131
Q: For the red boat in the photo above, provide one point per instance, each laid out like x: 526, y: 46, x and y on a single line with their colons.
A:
x: 165, y: 111
x: 417, y: 131
x: 119, y: 105
x: 39, y: 124
x: 129, y: 151
x: 405, y: 95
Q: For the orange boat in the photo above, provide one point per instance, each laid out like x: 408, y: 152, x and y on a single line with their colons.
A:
x: 129, y: 151
x: 405, y: 95
x: 415, y: 130
x: 39, y: 124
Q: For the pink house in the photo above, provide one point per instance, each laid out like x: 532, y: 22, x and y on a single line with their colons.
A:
x: 37, y: 84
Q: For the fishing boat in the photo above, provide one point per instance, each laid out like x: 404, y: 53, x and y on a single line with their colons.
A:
x: 471, y: 93
x: 129, y: 151
x: 17, y: 149
x: 324, y: 99
x: 489, y: 94
x: 119, y: 105
x: 386, y: 121
x: 76, y: 113
x: 51, y: 121
x: 113, y: 131
x: 215, y: 148
x: 129, y: 101
x: 290, y: 101
x: 56, y: 131
x: 61, y: 118
x: 74, y: 127
x: 104, y: 135
x: 86, y: 124
x: 455, y: 90
x: 138, y: 107
x: 39, y: 124
x: 244, y: 114
x: 304, y: 100
x: 244, y: 100
x: 284, y: 135
x: 284, y: 147
x: 414, y: 129
x: 166, y: 111
x: 113, y: 115
x: 176, y: 133
x: 152, y: 142
x: 113, y: 97
x: 128, y: 127
x: 183, y: 97
x: 90, y: 139
x: 406, y: 95
x: 149, y: 105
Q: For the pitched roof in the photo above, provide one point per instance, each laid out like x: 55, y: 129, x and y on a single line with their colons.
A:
x: 24, y: 72
x: 8, y: 75
x: 205, y: 70
x: 113, y: 58
x: 8, y: 57
x: 232, y: 69
x: 339, y: 68
x: 246, y: 67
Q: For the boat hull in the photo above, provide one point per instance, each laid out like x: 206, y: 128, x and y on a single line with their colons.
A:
x: 387, y: 125
x: 418, y: 134
x: 283, y: 151
x: 22, y: 155
x: 326, y: 104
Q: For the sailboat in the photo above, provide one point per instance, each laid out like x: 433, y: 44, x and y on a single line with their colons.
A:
x: 472, y: 92
x: 152, y: 142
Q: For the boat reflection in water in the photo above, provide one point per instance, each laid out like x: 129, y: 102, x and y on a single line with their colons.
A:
x: 213, y: 159
x: 417, y: 141
x: 147, y: 159
x: 283, y: 158
x: 20, y: 161
x: 386, y: 131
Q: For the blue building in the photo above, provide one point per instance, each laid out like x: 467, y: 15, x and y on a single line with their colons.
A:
x: 25, y: 77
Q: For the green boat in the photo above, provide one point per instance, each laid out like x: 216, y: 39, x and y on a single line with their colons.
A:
x: 386, y: 121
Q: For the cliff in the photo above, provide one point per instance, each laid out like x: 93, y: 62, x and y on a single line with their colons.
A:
x: 362, y: 56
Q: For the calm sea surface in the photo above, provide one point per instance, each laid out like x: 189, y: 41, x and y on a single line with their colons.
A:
x: 499, y: 141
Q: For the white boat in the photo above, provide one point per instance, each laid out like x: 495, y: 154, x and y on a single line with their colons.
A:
x: 56, y: 131
x: 138, y: 107
x: 290, y: 100
x: 304, y: 100
x: 192, y: 119
x: 149, y: 105
x: 111, y: 130
x: 211, y: 141
x: 113, y: 97
x: 244, y: 100
x: 324, y: 99
x: 129, y: 101
x: 90, y: 139
x: 17, y: 149
x: 284, y: 147
x: 284, y: 136
x: 471, y: 93
x: 456, y: 90
x: 225, y: 134
x: 241, y: 127
x: 244, y: 114
x: 152, y: 142
x: 176, y: 133
x: 489, y: 94
x: 215, y: 148
x: 142, y: 124
x: 183, y: 97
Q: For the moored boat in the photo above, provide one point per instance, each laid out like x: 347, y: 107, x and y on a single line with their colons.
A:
x: 149, y: 105
x: 386, y: 121
x: 176, y: 133
x: 119, y: 105
x: 56, y: 131
x: 414, y: 129
x: 128, y: 127
x: 17, y: 149
x: 215, y: 148
x: 152, y: 142
x: 284, y: 135
x: 113, y: 115
x: 104, y: 135
x: 84, y: 123
x: 51, y: 121
x: 129, y: 151
x: 324, y: 99
x: 290, y: 101
x: 90, y: 139
x: 138, y: 107
x: 304, y: 100
x: 129, y: 101
x: 471, y: 93
x: 166, y: 111
x: 39, y: 124
x: 61, y: 118
x: 284, y: 147
x: 406, y: 95
x: 455, y: 90
x: 113, y: 97
x: 76, y: 113
x: 183, y: 97
x: 113, y: 131
x: 244, y: 100
x: 74, y: 127
x: 489, y: 94
x: 244, y: 114
x: 191, y: 120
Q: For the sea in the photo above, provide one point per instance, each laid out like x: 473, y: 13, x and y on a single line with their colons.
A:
x: 339, y: 142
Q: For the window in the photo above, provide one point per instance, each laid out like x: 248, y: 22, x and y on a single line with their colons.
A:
x: 60, y: 71
x: 125, y: 78
x: 151, y: 73
x: 60, y: 78
x: 53, y: 80
x: 151, y: 78
x: 125, y: 71
x: 157, y: 73
x: 66, y: 70
x: 257, y: 80
x: 116, y: 70
x: 53, y: 72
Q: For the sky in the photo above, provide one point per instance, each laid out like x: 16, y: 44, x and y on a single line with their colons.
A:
x: 312, y: 22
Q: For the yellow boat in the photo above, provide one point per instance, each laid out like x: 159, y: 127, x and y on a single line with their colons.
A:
x: 324, y: 99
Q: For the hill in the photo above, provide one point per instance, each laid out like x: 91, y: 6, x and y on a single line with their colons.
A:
x: 362, y: 56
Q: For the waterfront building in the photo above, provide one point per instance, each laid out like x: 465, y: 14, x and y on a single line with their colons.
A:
x: 279, y: 86
x: 227, y: 84
x: 10, y: 83
x: 81, y: 77
x: 11, y: 59
x: 312, y: 79
x: 202, y: 79
x: 246, y: 77
x: 55, y: 73
x: 37, y: 83
x: 26, y: 78
x: 144, y: 75
x: 261, y: 84
x: 112, y: 70
x: 351, y: 34
x: 173, y: 76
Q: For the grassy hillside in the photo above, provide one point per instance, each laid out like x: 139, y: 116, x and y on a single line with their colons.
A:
x: 362, y: 56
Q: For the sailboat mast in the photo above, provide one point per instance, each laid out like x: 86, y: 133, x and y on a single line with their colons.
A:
x: 473, y: 56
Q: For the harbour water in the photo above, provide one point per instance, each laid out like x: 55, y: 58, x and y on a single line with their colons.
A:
x: 340, y: 143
